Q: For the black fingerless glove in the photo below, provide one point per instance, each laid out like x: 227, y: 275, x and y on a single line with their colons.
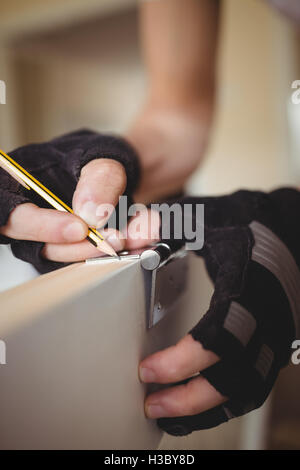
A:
x: 57, y: 164
x: 252, y: 254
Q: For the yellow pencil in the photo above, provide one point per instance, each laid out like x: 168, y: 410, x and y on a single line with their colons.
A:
x: 29, y: 182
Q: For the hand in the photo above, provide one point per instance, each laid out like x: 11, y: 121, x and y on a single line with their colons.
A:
x: 251, y: 251
x: 102, y: 181
x: 176, y: 364
x: 69, y: 168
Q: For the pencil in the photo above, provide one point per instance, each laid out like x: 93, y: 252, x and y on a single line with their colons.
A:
x: 29, y: 182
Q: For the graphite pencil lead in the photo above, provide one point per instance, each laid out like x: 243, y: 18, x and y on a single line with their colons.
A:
x: 106, y: 248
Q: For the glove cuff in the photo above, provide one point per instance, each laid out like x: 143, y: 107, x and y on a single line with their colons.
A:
x: 11, y: 195
x: 31, y: 253
x: 91, y: 145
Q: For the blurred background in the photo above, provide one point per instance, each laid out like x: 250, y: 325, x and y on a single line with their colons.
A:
x: 70, y: 64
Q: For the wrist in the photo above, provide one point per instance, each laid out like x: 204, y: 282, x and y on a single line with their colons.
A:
x: 165, y: 115
x: 161, y: 135
x: 187, y: 103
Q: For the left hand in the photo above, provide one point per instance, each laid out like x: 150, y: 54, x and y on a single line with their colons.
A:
x: 251, y: 251
x: 176, y: 364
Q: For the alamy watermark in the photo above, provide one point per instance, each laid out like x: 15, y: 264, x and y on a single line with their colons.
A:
x: 295, y: 357
x: 177, y: 221
x: 2, y: 352
x: 2, y: 92
x: 295, y: 98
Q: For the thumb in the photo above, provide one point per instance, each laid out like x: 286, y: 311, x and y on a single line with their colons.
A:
x: 101, y: 183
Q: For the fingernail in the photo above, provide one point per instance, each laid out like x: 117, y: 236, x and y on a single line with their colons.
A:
x: 147, y: 375
x: 74, y: 232
x: 115, y: 242
x: 155, y: 411
x: 88, y: 212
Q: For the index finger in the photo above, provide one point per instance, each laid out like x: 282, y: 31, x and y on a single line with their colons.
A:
x: 30, y: 222
x: 176, y: 363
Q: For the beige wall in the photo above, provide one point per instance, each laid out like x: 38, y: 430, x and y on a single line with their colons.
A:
x: 91, y: 75
x: 249, y: 146
x: 70, y: 79
x: 26, y: 16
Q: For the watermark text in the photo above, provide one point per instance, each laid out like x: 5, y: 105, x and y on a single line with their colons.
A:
x: 2, y: 92
x: 296, y: 94
x: 2, y: 352
x: 295, y: 358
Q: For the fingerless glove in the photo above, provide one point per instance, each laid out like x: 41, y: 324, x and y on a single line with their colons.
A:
x: 57, y: 164
x: 252, y: 254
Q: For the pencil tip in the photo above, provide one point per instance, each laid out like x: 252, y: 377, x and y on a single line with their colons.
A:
x: 108, y: 249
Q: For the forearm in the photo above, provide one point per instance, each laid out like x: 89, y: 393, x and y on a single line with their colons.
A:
x: 179, y: 42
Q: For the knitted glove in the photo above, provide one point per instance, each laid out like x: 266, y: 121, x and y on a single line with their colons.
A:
x: 252, y: 254
x: 57, y: 164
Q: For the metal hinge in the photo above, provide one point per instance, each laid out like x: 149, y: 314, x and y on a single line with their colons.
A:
x: 165, y: 277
